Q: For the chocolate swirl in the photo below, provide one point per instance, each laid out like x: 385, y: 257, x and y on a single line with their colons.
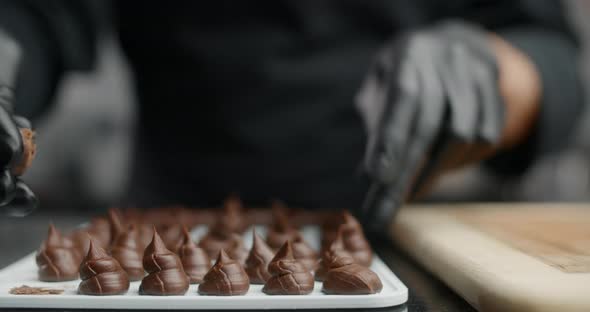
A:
x: 336, y: 248
x: 57, y: 259
x: 116, y: 223
x: 258, y: 259
x: 145, y: 233
x: 195, y: 260
x: 346, y: 277
x: 166, y: 277
x: 330, y: 226
x: 171, y: 236
x: 101, y: 274
x: 220, y: 236
x: 288, y: 276
x: 100, y: 230
x: 237, y: 251
x: 280, y: 230
x: 354, y: 240
x: 235, y: 221
x: 226, y: 278
x: 127, y: 252
x: 80, y: 239
x: 304, y: 253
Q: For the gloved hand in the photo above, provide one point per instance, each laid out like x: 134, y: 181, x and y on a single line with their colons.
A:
x: 16, y: 138
x: 428, y: 93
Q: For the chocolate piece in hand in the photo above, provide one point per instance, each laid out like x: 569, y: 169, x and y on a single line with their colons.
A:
x: 128, y: 253
x: 195, y: 260
x: 258, y: 259
x: 101, y: 274
x: 288, y: 276
x: 29, y: 151
x: 56, y: 260
x: 346, y: 277
x: 166, y: 277
x: 116, y: 223
x: 226, y: 278
x: 280, y: 230
x: 354, y: 240
x: 304, y: 253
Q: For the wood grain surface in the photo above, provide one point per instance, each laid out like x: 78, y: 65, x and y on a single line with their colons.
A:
x: 559, y: 237
x: 504, y: 257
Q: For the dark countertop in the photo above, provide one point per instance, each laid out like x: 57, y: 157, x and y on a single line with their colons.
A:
x: 20, y: 236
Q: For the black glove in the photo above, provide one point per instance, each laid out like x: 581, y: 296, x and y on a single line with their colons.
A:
x: 427, y: 89
x: 15, y: 196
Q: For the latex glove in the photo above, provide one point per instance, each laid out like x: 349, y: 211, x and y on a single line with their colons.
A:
x: 16, y: 198
x: 427, y: 91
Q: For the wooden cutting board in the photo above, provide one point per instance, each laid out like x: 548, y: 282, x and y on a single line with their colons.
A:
x: 504, y: 257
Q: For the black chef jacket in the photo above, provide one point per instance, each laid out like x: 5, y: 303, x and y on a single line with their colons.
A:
x: 256, y: 97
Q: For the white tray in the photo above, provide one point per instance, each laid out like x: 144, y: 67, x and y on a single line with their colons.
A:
x: 24, y: 272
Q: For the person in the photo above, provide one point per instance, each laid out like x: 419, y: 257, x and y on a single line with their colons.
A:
x: 284, y: 99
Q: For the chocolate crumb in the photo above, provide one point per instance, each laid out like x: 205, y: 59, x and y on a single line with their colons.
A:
x: 28, y: 290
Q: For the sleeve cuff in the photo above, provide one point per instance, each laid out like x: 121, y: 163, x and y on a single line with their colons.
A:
x: 555, y: 58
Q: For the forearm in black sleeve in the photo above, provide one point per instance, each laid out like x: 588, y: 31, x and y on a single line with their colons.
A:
x: 540, y: 30
x: 54, y: 37
x: 555, y: 58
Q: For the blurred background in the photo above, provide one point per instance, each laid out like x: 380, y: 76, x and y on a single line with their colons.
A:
x: 84, y: 143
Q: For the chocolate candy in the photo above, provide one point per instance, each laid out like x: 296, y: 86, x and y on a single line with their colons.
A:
x: 145, y: 233
x: 28, y: 152
x: 57, y: 259
x: 226, y: 278
x: 101, y: 274
x: 235, y: 221
x: 258, y: 259
x: 336, y: 247
x: 330, y: 226
x: 304, y: 253
x: 220, y: 236
x: 221, y: 233
x: 116, y: 223
x: 157, y: 216
x: 80, y: 239
x: 127, y: 252
x: 132, y: 215
x: 354, y: 240
x: 280, y: 230
x: 166, y: 277
x: 172, y: 236
x: 195, y: 260
x: 100, y: 230
x: 237, y: 251
x: 288, y: 276
x: 346, y: 277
